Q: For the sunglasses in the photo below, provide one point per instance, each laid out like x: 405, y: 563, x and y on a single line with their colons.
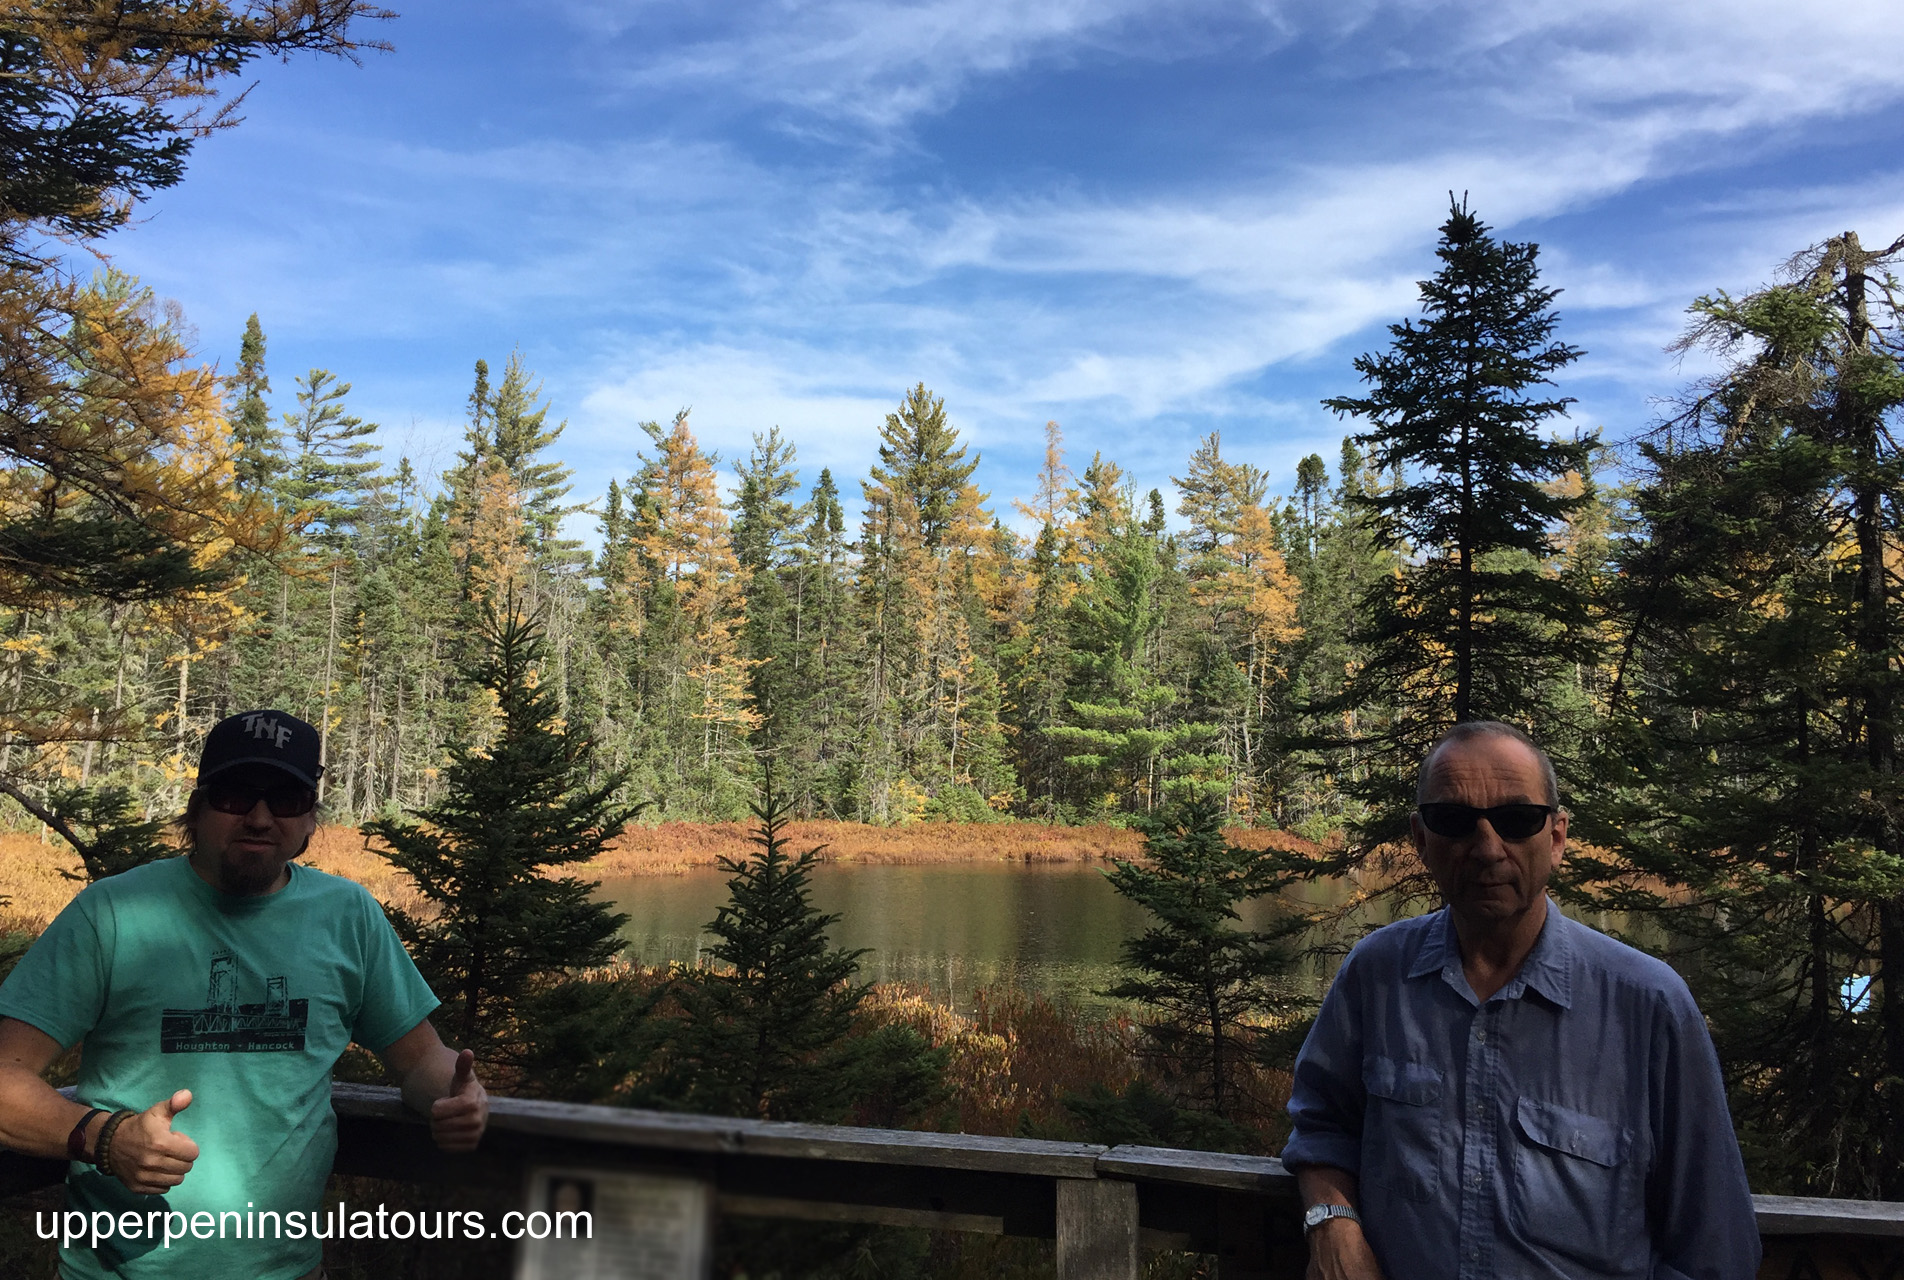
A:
x: 284, y: 799
x: 1510, y: 821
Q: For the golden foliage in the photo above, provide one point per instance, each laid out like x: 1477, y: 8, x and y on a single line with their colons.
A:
x: 1014, y: 1060
x: 689, y: 540
x: 104, y: 412
x: 492, y: 543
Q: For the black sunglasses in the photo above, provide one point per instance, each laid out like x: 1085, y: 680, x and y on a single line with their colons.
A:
x: 1510, y: 821
x: 284, y: 799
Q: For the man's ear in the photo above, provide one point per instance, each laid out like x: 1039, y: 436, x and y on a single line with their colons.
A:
x: 1417, y: 832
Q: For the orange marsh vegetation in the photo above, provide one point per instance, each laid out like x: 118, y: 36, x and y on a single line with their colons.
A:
x: 32, y: 882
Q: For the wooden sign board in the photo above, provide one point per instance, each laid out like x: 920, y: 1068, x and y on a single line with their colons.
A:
x: 644, y: 1226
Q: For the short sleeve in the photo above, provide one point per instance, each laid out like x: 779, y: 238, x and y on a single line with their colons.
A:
x: 60, y: 985
x: 394, y: 998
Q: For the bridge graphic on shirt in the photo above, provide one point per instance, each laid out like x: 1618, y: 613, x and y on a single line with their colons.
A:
x: 226, y: 1026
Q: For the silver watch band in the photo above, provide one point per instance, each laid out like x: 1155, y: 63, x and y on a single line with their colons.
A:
x: 1319, y: 1213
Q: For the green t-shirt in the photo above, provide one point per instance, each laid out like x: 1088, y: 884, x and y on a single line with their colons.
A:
x: 248, y: 1001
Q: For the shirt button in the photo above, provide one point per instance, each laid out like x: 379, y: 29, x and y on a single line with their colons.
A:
x: 1480, y: 1034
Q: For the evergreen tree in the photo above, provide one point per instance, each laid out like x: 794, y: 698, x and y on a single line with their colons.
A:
x: 924, y: 464
x: 1473, y: 629
x: 1749, y: 792
x: 1216, y: 994
x: 1340, y: 565
x: 768, y: 522
x: 765, y: 533
x: 769, y: 1031
x: 520, y: 436
x: 102, y: 825
x: 828, y: 680
x: 331, y: 463
x: 1124, y: 741
x: 258, y: 457
x: 514, y: 806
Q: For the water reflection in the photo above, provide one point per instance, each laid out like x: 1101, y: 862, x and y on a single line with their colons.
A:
x: 1050, y: 928
x: 953, y: 927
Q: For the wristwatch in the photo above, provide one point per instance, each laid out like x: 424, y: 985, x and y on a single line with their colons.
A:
x: 1319, y: 1213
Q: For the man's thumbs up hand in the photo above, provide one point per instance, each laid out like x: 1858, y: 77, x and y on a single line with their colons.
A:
x: 462, y: 1073
x: 147, y: 1155
x: 460, y: 1118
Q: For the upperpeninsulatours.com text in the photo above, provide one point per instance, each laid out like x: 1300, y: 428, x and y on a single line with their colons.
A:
x: 75, y: 1226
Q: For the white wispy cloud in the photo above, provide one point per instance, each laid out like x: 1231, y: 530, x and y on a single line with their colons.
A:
x: 886, y: 63
x: 671, y: 261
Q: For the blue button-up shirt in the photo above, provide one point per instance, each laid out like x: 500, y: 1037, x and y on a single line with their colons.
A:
x: 1571, y: 1126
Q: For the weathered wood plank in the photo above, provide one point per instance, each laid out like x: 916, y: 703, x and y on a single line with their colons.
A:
x: 720, y: 1135
x: 1096, y: 1229
x: 1202, y: 1168
x: 1807, y: 1216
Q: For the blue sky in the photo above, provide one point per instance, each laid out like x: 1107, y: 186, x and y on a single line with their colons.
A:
x: 1144, y: 220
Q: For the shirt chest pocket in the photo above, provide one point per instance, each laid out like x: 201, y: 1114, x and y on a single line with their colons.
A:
x: 1573, y: 1175
x: 1404, y: 1141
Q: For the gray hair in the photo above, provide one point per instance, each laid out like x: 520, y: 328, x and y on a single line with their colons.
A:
x: 1488, y: 729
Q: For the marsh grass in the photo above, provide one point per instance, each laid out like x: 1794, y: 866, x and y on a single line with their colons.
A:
x: 678, y: 847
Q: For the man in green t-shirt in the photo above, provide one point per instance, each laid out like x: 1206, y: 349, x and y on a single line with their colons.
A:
x: 211, y: 995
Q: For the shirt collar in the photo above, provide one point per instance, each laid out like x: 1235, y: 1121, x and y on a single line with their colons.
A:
x: 1548, y: 968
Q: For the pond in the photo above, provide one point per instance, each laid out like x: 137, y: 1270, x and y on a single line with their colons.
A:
x: 1051, y: 928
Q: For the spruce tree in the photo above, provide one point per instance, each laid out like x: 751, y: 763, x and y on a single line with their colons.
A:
x: 1216, y: 995
x: 766, y: 533
x: 829, y: 660
x: 518, y: 804
x: 255, y: 441
x: 769, y: 1031
x: 1473, y: 629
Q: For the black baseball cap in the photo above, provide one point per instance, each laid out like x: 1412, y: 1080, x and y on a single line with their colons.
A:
x: 284, y: 741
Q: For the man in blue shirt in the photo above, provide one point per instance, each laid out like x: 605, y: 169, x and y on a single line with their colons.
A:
x: 1495, y: 1090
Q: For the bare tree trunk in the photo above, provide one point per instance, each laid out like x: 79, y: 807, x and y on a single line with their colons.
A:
x: 350, y: 774
x: 1880, y: 651
x: 326, y: 681
x: 399, y: 738
x: 86, y: 755
x: 180, y: 705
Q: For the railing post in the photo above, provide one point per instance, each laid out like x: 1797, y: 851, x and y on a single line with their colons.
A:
x: 1096, y: 1223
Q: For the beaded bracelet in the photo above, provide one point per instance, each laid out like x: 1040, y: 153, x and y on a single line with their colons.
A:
x: 103, y: 1149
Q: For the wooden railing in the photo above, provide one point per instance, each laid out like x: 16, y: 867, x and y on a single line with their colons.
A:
x: 1101, y: 1205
